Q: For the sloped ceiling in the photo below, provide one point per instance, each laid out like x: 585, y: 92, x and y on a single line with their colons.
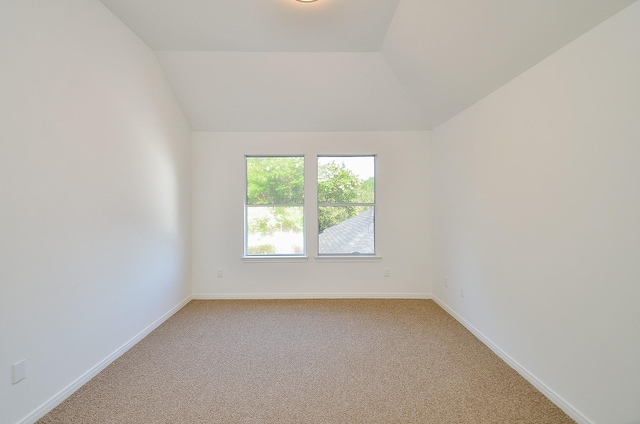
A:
x: 258, y: 25
x: 450, y: 54
x: 348, y: 65
x: 288, y: 91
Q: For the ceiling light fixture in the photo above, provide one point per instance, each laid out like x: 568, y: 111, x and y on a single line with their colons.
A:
x: 306, y: 1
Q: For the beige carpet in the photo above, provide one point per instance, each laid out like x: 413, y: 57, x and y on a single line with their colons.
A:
x: 308, y: 361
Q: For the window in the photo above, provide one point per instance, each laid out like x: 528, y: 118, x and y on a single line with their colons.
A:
x: 274, y: 206
x: 346, y: 205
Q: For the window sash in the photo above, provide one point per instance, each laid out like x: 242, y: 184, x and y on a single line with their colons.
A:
x: 372, y: 205
x: 248, y: 206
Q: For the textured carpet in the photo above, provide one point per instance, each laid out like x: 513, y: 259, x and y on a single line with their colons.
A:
x: 308, y: 361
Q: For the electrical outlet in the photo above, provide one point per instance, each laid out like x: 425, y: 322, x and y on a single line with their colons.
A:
x: 446, y: 281
x: 19, y: 371
x: 387, y: 272
x: 461, y: 291
x: 220, y: 272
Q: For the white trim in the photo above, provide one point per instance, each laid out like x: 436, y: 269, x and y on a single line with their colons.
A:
x: 58, y: 398
x: 347, y: 258
x: 247, y: 206
x: 83, y: 379
x: 374, y: 205
x: 253, y: 296
x: 280, y: 259
x: 538, y: 384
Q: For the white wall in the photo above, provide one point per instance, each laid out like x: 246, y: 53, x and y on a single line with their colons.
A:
x: 402, y: 220
x: 536, y: 213
x: 94, y: 187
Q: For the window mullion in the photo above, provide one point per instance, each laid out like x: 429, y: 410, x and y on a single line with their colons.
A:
x: 275, y: 205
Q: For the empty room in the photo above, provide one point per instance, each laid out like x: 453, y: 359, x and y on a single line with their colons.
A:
x: 320, y: 211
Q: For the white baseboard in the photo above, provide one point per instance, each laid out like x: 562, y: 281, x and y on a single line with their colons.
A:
x: 71, y: 388
x: 538, y: 384
x: 252, y: 296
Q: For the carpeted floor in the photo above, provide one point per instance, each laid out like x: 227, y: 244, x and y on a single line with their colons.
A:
x: 308, y: 361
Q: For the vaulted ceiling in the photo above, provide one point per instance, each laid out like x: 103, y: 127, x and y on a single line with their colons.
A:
x: 348, y: 65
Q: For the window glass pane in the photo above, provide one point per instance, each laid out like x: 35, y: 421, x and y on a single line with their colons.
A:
x: 346, y: 179
x: 275, y: 230
x: 346, y: 230
x: 275, y: 180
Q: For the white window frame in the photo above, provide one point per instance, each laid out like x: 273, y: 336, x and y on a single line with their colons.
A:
x: 284, y: 257
x: 348, y: 256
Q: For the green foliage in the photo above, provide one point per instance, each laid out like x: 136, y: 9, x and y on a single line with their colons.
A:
x: 337, y: 184
x: 262, y: 249
x: 275, y: 180
x: 328, y: 216
x: 280, y: 181
x: 268, y: 220
x: 367, y: 191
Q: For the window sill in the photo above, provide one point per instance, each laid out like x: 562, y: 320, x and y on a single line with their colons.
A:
x: 272, y: 259
x: 348, y: 258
